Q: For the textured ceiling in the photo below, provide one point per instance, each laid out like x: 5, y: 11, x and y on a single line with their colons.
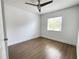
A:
x: 56, y: 5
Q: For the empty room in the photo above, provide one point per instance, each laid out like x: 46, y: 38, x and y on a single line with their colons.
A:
x: 39, y: 29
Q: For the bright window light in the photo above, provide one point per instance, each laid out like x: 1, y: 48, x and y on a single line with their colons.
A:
x: 55, y: 24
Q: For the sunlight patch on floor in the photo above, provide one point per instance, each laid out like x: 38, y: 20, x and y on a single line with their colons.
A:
x: 52, y: 53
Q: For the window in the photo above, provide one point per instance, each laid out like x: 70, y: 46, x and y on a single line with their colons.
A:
x: 54, y: 24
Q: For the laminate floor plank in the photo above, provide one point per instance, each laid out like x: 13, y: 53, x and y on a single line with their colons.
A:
x: 42, y: 48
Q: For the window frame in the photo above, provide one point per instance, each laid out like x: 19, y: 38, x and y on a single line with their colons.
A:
x: 60, y: 25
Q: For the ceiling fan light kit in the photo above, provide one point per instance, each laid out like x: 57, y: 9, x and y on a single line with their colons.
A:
x: 39, y: 5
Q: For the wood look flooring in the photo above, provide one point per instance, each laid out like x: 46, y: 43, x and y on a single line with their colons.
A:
x: 42, y: 48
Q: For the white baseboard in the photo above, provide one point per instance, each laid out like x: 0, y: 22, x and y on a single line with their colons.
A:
x: 13, y: 43
x: 55, y: 39
x: 52, y: 38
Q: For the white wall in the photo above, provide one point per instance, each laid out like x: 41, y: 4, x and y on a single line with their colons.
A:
x: 21, y: 25
x: 1, y: 33
x: 69, y: 25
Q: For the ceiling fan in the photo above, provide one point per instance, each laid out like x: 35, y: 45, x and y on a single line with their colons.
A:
x: 39, y: 5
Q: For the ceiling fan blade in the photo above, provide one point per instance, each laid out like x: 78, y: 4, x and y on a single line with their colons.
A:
x: 46, y: 3
x: 31, y: 4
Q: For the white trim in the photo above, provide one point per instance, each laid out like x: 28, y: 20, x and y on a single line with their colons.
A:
x: 23, y: 40
x: 52, y: 38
